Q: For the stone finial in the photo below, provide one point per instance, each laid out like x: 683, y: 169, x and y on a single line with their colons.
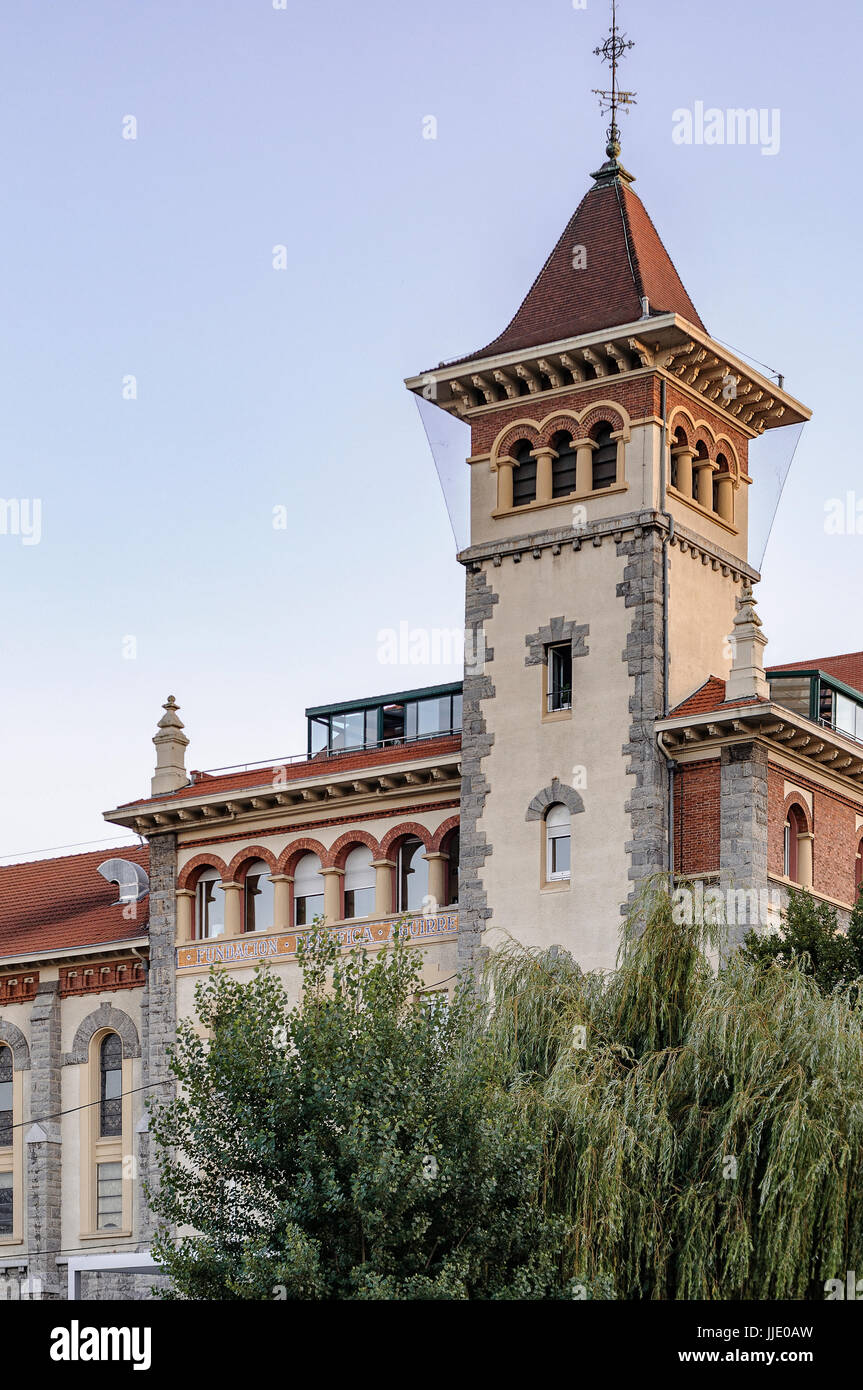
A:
x: 171, y: 745
x: 746, y: 680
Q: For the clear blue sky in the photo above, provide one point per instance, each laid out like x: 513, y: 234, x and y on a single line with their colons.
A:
x: 258, y: 387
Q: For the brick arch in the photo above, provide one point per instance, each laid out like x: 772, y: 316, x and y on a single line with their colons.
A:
x: 725, y: 446
x: 557, y: 793
x: 398, y: 832
x: 795, y: 799
x: 681, y: 419
x: 245, y: 856
x: 510, y: 434
x: 437, y: 838
x: 200, y: 861
x: 704, y: 435
x: 111, y: 1020
x: 568, y: 420
x: 345, y: 843
x: 17, y: 1044
x: 605, y: 413
x: 286, y: 861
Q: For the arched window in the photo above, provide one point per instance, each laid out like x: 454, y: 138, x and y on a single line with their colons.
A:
x: 795, y: 829
x: 5, y: 1096
x: 259, y: 897
x: 308, y: 890
x: 110, y: 1086
x: 359, y: 883
x: 858, y: 870
x: 451, y: 846
x: 413, y: 875
x: 604, y: 457
x: 209, y: 910
x: 524, y: 475
x: 563, y: 467
x: 557, y: 842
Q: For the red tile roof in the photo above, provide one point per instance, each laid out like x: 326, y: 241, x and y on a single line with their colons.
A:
x: 848, y: 668
x: 625, y: 262
x: 711, y: 696
x: 213, y: 784
x: 52, y: 904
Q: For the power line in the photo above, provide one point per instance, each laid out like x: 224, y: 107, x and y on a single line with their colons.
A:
x: 80, y: 844
x: 41, y: 1119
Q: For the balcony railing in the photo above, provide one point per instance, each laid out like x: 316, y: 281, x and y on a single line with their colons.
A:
x: 328, y: 754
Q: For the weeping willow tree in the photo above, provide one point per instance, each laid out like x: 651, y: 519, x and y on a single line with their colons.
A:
x: 702, y: 1128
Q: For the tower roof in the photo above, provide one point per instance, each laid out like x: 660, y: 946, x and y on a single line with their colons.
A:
x: 624, y: 261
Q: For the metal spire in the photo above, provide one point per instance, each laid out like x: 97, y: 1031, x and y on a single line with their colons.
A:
x: 611, y: 52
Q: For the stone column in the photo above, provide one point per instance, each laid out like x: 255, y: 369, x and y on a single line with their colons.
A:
x: 158, y: 1015
x: 42, y: 1141
x: 726, y: 497
x: 185, y: 913
x: 544, y: 485
x: 804, y: 859
x: 332, y: 894
x: 281, y: 900
x: 743, y: 825
x: 704, y: 471
x: 584, y: 451
x: 233, y: 908
x: 437, y: 863
x: 620, y: 475
x: 383, y: 886
x: 683, y: 458
x: 504, y: 485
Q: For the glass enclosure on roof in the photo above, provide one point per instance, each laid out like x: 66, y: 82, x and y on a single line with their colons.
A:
x: 390, y: 719
x: 821, y: 698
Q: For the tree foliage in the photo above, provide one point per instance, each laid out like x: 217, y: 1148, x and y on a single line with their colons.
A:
x: 357, y: 1146
x: 702, y: 1129
x: 810, y: 936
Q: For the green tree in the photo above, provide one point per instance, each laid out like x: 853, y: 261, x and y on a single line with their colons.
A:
x: 702, y: 1128
x: 810, y: 936
x: 357, y: 1146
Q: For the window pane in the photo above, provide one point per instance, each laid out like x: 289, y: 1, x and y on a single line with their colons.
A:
x: 371, y: 717
x: 308, y: 908
x: 413, y: 876
x: 411, y: 720
x: 560, y: 854
x: 560, y: 684
x: 259, y: 897
x: 319, y: 731
x: 456, y: 711
x: 394, y: 721
x: 348, y: 730
x: 109, y: 1196
x: 359, y: 902
x: 858, y: 723
x: 5, y: 1204
x: 433, y: 715
x: 846, y: 714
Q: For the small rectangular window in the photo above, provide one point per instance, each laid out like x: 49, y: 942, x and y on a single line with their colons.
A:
x: 457, y: 711
x: 6, y: 1204
x: 109, y: 1196
x: 560, y: 677
x: 393, y: 722
x: 319, y: 735
x: 371, y: 728
x: 846, y: 712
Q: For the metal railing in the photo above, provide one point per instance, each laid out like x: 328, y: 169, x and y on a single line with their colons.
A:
x: 327, y: 755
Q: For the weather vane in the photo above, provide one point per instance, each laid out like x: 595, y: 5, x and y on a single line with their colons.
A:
x: 611, y: 52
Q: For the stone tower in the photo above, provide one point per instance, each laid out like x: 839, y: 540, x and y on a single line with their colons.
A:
x: 609, y: 481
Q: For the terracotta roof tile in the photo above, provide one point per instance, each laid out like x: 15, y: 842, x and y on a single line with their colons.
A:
x: 711, y: 696
x: 848, y: 668
x: 50, y: 904
x: 208, y: 783
x: 625, y: 261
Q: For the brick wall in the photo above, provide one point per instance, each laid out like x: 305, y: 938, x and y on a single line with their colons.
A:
x: 697, y: 818
x: 836, y: 839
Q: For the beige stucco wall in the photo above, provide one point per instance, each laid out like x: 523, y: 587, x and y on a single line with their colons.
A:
x: 702, y: 605
x: 529, y: 752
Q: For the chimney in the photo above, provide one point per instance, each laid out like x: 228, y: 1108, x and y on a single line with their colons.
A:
x: 746, y: 680
x: 171, y: 745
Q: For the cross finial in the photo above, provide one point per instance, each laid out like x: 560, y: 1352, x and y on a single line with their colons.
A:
x: 611, y: 52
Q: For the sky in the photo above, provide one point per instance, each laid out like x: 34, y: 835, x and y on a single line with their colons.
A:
x: 224, y: 491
